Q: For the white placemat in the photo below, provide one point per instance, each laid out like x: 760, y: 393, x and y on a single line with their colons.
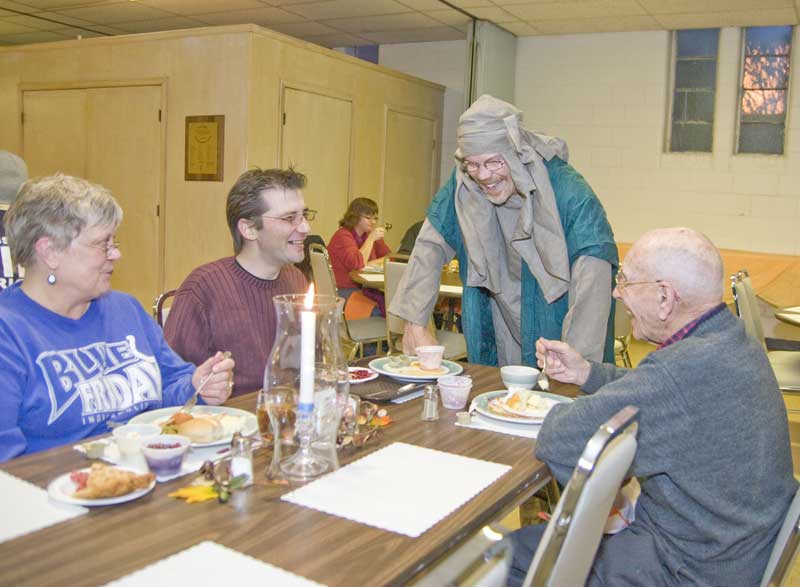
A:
x: 401, y: 488
x: 26, y: 508
x: 481, y: 422
x: 209, y: 564
x: 371, y: 276
x: 191, y: 464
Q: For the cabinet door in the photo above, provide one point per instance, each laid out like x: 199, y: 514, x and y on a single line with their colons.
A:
x: 124, y: 154
x: 110, y: 136
x: 408, y: 182
x: 316, y: 142
x: 54, y: 132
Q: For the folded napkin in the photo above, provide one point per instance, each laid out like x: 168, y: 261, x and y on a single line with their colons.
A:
x: 482, y: 422
x: 401, y: 488
x: 26, y: 508
x: 191, y: 464
x: 209, y: 564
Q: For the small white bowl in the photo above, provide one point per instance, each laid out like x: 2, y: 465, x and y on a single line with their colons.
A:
x: 130, y: 437
x: 430, y: 356
x: 518, y: 377
x: 166, y: 462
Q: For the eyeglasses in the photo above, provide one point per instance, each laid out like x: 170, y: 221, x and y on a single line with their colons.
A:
x: 472, y: 167
x: 621, y: 281
x: 373, y: 217
x: 107, y: 247
x: 295, y: 219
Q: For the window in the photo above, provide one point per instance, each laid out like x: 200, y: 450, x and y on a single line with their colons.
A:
x: 765, y: 79
x: 695, y: 77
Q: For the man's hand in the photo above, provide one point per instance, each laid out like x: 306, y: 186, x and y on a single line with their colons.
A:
x: 415, y: 335
x: 564, y: 363
x: 219, y: 386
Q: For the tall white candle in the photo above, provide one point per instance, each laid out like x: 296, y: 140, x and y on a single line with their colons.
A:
x: 308, y: 325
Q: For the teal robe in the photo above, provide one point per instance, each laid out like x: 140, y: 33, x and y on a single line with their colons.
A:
x: 587, y: 233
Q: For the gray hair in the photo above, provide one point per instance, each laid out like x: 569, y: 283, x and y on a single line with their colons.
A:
x: 58, y: 207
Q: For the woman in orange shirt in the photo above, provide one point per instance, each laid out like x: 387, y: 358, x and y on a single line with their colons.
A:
x: 358, y: 242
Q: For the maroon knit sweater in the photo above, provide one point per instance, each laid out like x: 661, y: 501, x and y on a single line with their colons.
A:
x: 222, y: 307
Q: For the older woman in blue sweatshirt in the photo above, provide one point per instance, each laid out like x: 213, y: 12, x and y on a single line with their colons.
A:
x: 75, y: 355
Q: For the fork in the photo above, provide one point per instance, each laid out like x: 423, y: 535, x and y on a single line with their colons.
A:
x: 541, y: 378
x: 192, y: 401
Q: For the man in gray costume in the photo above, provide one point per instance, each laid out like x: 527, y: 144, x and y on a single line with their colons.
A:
x: 713, y: 460
x: 536, y: 253
x: 13, y: 173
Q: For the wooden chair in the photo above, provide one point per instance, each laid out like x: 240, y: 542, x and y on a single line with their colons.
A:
x: 161, y: 306
x: 356, y: 332
x: 455, y: 345
x: 786, y: 545
x: 569, y: 544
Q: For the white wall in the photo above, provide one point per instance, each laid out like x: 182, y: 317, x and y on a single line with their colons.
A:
x: 443, y: 63
x: 607, y: 96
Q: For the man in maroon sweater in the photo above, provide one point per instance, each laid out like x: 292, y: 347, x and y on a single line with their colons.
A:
x: 227, y: 304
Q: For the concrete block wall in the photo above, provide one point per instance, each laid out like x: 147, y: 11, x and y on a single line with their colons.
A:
x: 607, y: 95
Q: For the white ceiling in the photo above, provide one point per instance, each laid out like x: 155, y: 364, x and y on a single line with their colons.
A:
x: 335, y: 23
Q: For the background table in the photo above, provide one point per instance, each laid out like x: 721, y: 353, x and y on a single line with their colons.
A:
x: 115, y: 541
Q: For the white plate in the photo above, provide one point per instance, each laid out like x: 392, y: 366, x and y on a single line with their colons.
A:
x: 481, y: 405
x: 160, y: 416
x: 383, y: 366
x: 61, y: 489
x: 372, y: 375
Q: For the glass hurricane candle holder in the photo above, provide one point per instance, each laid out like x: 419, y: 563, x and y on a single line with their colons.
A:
x: 306, y: 370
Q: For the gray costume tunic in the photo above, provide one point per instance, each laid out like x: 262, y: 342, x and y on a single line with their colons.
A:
x: 713, y: 460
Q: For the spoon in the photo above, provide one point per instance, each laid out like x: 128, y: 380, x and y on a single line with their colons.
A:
x: 541, y: 378
x: 192, y: 401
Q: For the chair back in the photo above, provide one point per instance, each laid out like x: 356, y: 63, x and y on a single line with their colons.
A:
x: 393, y: 271
x: 570, y: 541
x: 161, y: 306
x: 324, y: 282
x: 747, y: 306
x: 786, y: 545
x: 622, y: 333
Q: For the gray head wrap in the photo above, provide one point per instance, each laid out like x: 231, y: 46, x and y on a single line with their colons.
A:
x: 493, y: 126
x: 13, y: 172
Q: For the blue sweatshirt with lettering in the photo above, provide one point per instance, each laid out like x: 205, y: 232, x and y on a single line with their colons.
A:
x: 62, y: 380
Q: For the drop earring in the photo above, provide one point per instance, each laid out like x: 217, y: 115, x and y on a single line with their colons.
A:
x: 51, y: 279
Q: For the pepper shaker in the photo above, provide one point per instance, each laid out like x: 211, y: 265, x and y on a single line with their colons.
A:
x: 430, y: 404
x: 242, y: 457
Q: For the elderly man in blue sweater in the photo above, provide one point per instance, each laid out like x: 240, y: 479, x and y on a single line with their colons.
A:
x: 713, y: 461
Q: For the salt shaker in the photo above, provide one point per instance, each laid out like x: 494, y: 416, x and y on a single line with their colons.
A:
x: 430, y: 404
x: 242, y: 457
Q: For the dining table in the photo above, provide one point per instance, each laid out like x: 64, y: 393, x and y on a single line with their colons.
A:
x: 450, y: 285
x: 113, y: 541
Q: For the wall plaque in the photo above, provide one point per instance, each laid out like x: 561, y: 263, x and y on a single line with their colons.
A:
x: 205, y: 148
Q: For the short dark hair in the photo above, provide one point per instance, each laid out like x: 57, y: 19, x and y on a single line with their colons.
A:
x: 245, y: 201
x: 358, y: 208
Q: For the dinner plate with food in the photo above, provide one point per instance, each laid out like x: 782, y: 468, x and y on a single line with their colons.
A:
x: 101, y: 484
x: 407, y: 368
x: 361, y: 375
x: 524, y: 406
x: 204, y: 425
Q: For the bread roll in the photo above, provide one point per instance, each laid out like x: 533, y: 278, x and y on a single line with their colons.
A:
x: 201, y: 430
